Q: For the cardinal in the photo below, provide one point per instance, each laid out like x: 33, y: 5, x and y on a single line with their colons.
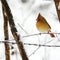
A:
x: 42, y: 25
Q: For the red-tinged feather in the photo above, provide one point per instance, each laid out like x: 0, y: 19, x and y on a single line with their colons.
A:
x: 52, y: 35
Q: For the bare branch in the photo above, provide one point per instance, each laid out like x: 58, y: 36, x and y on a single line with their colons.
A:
x: 7, y: 48
x: 14, y: 30
x: 22, y: 28
x: 58, y: 11
x: 42, y: 45
x: 37, y: 34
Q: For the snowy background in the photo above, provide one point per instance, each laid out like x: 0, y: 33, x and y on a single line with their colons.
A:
x: 24, y: 14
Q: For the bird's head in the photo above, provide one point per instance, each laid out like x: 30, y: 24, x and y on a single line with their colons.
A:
x: 38, y: 18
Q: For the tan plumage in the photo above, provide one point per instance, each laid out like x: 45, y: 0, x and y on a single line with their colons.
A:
x: 42, y: 25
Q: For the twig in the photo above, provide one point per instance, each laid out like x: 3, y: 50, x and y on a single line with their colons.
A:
x: 34, y: 51
x: 58, y: 11
x: 22, y: 28
x: 32, y: 44
x: 37, y: 34
x: 42, y: 45
x: 7, y: 42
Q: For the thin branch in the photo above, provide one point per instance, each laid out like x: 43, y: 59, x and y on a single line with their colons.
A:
x: 42, y: 45
x: 34, y: 51
x: 32, y: 44
x: 37, y: 34
x: 22, y: 28
x: 7, y: 42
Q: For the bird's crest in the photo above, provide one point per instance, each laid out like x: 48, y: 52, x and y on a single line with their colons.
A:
x: 38, y: 18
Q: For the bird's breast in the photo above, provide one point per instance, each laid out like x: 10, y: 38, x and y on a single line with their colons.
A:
x: 43, y: 27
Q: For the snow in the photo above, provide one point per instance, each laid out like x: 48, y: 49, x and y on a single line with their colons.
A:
x: 25, y: 14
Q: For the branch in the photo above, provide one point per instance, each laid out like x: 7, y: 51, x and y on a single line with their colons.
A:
x: 58, y: 11
x: 22, y: 28
x: 32, y: 44
x: 14, y: 30
x: 41, y: 45
x: 37, y: 34
x: 7, y: 48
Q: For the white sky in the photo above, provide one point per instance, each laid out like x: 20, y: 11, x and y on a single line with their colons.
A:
x: 25, y: 14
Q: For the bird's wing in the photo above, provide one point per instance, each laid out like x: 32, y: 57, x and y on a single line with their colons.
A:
x: 44, y: 20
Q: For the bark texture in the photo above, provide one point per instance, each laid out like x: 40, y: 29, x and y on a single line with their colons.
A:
x: 7, y: 50
x: 14, y: 30
x: 58, y: 11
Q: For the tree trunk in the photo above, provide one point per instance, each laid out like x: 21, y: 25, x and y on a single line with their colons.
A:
x: 7, y: 52
x: 14, y: 30
x: 58, y: 11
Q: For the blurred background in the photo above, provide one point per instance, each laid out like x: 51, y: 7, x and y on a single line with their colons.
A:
x: 24, y: 14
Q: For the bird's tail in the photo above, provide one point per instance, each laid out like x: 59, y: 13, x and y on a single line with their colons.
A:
x: 51, y: 34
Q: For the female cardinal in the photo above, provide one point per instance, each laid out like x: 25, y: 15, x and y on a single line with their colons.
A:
x: 42, y: 25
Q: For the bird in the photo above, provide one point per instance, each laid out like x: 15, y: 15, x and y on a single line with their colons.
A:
x: 42, y: 25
